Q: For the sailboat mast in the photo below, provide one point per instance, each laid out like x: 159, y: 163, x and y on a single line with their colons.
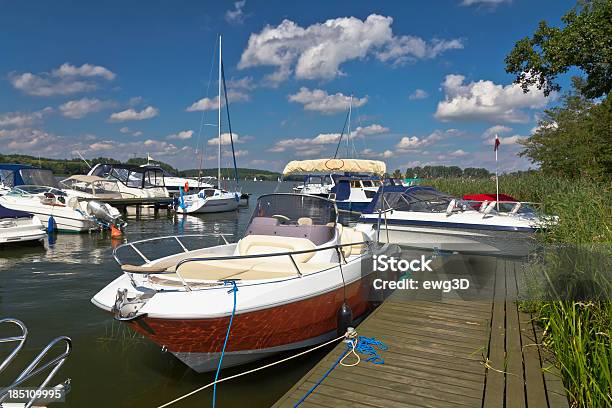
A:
x: 219, y: 121
x: 348, y: 135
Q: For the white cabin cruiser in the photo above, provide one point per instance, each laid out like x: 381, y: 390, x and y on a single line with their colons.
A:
x: 69, y: 213
x: 294, y: 268
x: 133, y: 181
x: 350, y: 183
x: 319, y: 185
x: 19, y: 226
x: 422, y: 217
x: 209, y: 200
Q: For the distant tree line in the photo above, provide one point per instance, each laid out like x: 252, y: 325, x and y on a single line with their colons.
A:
x: 442, y: 172
x: 68, y: 167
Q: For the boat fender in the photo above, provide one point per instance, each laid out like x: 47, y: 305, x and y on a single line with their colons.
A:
x: 51, y: 225
x: 237, y: 197
x: 186, y: 186
x: 345, y: 318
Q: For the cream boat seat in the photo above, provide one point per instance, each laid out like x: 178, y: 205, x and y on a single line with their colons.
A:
x: 246, y: 268
x: 256, y: 268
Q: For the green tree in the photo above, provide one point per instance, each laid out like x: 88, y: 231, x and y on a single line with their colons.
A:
x: 574, y: 139
x: 585, y: 42
x: 397, y: 173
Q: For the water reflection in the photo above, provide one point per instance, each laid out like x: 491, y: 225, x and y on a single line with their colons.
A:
x: 49, y: 288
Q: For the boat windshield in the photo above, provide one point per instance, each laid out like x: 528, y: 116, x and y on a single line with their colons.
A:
x: 294, y: 215
x: 414, y: 199
x: 33, y: 190
x: 318, y: 180
x: 100, y: 186
x: 38, y: 177
x: 132, y: 177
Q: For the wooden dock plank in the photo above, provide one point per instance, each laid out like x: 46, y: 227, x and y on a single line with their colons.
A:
x: 515, y: 383
x: 435, y: 356
x: 534, y: 378
x: 495, y: 377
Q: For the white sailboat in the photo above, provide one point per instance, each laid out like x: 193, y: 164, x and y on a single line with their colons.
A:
x: 212, y: 200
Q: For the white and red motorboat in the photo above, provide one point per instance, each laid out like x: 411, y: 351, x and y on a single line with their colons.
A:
x: 294, y: 269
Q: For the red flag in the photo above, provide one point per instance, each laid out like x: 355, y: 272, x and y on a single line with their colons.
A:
x: 497, y: 143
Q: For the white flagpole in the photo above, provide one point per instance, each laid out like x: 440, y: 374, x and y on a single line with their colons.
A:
x: 496, y: 173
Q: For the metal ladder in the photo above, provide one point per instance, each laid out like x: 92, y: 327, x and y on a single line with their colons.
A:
x: 33, y: 368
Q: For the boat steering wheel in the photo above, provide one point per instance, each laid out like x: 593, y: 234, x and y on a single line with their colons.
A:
x: 283, y: 219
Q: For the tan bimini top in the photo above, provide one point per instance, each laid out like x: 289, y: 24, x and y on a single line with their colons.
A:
x: 335, y: 165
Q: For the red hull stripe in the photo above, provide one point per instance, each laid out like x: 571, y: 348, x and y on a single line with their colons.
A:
x: 277, y: 326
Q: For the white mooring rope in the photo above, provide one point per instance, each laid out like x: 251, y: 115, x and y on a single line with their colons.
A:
x: 347, y: 335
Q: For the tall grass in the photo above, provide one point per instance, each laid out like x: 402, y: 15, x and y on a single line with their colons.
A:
x: 577, y: 315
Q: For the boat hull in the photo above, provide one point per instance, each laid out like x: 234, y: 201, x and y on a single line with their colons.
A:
x: 210, y: 205
x: 198, y: 342
x: 21, y: 230
x: 510, y: 243
x: 66, y: 218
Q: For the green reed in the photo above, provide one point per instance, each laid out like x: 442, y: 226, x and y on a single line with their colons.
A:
x: 574, y: 306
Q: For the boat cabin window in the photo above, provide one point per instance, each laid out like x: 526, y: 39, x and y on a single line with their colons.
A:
x: 154, y: 178
x: 424, y: 200
x: 38, y: 177
x: 298, y: 216
x: 355, y: 183
x: 318, y: 180
x: 367, y: 183
x: 7, y: 178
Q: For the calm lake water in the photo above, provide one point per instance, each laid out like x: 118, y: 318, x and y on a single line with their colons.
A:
x: 50, y: 288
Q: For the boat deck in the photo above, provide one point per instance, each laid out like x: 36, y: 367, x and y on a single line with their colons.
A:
x: 446, y: 352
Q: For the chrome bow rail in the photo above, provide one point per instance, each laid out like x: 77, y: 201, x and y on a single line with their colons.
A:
x: 33, y: 368
x: 337, y: 248
x: 175, y: 238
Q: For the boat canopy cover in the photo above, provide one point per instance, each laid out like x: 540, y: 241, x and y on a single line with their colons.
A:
x: 85, y: 179
x: 335, y: 165
x: 15, y: 174
x: 8, y: 213
x: 413, y: 198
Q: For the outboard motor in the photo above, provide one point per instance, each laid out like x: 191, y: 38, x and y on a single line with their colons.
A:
x: 104, y: 213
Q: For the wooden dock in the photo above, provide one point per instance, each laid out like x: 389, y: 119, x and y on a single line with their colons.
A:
x: 444, y: 353
x: 151, y: 202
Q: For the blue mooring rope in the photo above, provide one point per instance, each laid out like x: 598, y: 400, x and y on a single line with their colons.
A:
x: 233, y: 290
x: 365, y: 345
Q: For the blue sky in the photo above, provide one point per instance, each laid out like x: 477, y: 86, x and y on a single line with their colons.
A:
x: 119, y: 79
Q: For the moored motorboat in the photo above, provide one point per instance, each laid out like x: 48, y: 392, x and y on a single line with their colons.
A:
x: 19, y: 226
x: 294, y: 268
x: 422, y: 217
x: 209, y: 200
x: 350, y: 183
x: 69, y: 213
x: 133, y: 181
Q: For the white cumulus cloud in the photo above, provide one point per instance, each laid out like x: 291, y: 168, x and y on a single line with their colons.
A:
x: 226, y: 140
x: 319, y: 50
x: 316, y: 145
x: 418, y: 94
x: 65, y: 80
x: 236, y: 15
x: 486, y: 101
x: 132, y: 114
x: 21, y: 119
x: 79, y: 108
x: 206, y: 104
x: 319, y: 100
x: 182, y: 135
